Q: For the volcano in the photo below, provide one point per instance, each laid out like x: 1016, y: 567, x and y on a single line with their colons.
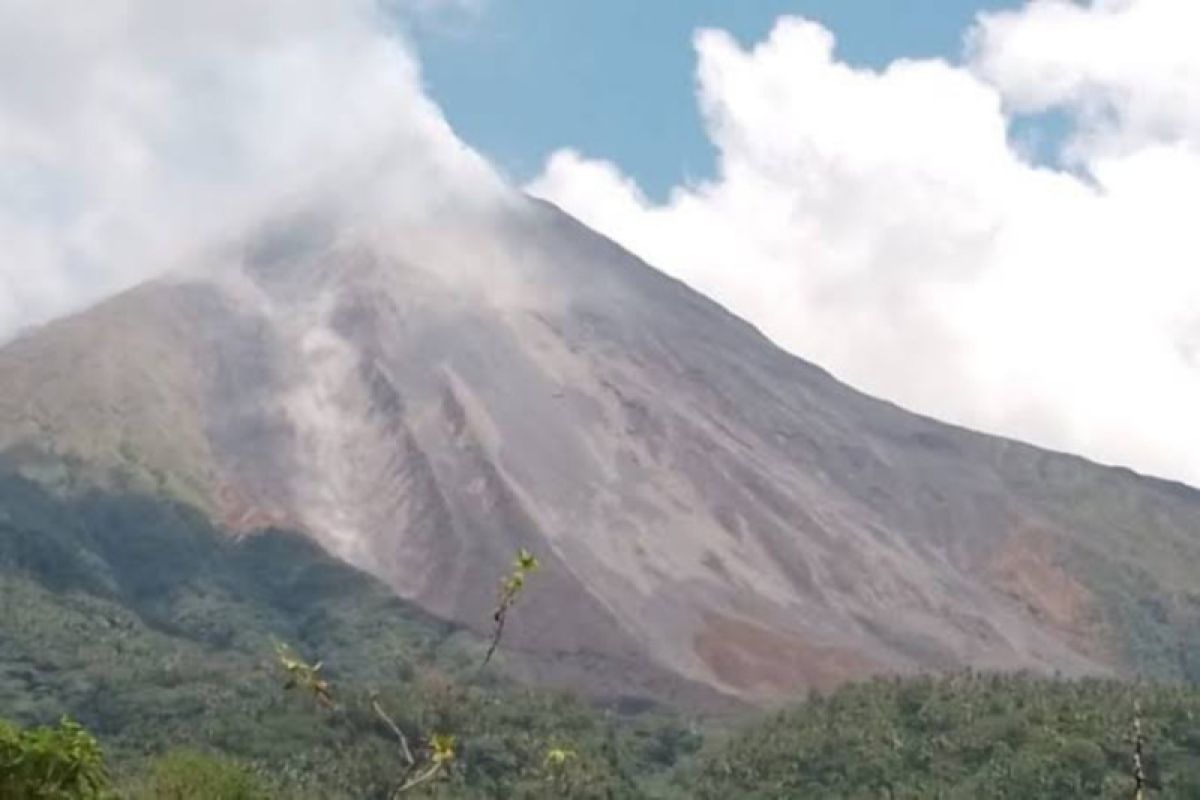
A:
x: 715, y: 517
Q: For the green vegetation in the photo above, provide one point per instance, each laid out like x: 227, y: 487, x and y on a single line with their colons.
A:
x: 158, y: 633
x: 50, y: 763
x: 191, y: 775
x: 967, y: 736
x: 162, y: 638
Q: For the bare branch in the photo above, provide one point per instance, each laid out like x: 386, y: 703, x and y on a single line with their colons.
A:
x: 510, y: 589
x: 497, y: 632
x: 1139, y: 773
x: 420, y: 780
x: 383, y: 715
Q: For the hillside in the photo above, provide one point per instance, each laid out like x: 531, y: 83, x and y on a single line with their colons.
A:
x: 717, y: 517
x: 157, y: 632
x: 138, y: 618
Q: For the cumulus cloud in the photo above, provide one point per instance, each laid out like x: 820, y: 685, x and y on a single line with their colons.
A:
x: 1127, y: 70
x: 883, y: 223
x: 132, y: 131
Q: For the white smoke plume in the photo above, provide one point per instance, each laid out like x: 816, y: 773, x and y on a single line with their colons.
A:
x: 132, y: 131
x: 889, y: 225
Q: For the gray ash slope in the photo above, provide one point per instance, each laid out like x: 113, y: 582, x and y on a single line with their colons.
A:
x: 715, y: 516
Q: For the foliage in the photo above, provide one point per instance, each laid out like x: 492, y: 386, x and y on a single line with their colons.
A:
x: 959, y: 737
x: 437, y: 756
x: 138, y: 619
x: 964, y: 736
x: 190, y: 775
x: 304, y: 676
x: 49, y: 763
x: 155, y: 631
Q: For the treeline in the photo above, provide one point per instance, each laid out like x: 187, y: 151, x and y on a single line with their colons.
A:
x: 157, y: 634
x: 965, y: 736
x: 968, y: 737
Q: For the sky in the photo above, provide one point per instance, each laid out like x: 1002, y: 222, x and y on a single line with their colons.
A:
x: 520, y: 78
x: 982, y: 212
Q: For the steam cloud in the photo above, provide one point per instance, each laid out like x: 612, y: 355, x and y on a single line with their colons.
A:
x: 133, y: 131
x: 891, y: 226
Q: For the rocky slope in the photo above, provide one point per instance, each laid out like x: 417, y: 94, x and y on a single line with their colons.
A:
x: 711, y: 511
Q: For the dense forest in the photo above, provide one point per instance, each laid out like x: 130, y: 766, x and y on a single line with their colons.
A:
x: 966, y: 736
x: 160, y: 637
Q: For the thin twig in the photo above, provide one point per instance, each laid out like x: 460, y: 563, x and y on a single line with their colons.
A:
x: 510, y: 588
x: 424, y: 777
x: 1139, y: 774
x: 383, y: 715
x: 501, y: 614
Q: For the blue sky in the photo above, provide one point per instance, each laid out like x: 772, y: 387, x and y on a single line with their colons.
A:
x: 520, y: 78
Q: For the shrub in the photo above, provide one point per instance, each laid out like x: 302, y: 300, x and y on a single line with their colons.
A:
x: 189, y: 775
x: 51, y: 763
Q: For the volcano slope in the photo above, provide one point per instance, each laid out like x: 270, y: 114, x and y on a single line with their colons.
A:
x: 714, y: 516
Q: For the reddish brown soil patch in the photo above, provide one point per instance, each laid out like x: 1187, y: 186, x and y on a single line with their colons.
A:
x: 1026, y: 569
x: 239, y: 514
x: 757, y: 661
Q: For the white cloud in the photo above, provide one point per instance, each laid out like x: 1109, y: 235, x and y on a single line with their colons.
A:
x: 881, y: 223
x: 1129, y: 69
x: 134, y: 130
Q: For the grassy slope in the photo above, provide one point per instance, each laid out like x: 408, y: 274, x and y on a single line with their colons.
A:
x: 136, y: 617
x: 1134, y: 542
x: 119, y: 389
